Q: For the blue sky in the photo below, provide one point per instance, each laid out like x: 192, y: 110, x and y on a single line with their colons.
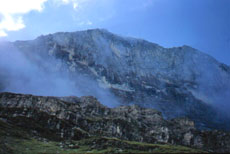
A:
x: 202, y: 24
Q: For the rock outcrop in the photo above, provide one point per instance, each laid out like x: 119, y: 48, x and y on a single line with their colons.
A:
x: 73, y: 118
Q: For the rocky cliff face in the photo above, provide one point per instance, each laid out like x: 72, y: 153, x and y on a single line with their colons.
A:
x: 178, y: 81
x: 73, y: 118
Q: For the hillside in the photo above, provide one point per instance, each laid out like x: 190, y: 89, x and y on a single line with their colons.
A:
x: 72, y: 124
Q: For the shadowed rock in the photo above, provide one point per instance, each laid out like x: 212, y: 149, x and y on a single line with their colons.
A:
x: 61, y: 118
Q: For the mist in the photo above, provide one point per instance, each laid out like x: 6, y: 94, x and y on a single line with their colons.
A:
x: 217, y: 95
x: 49, y: 77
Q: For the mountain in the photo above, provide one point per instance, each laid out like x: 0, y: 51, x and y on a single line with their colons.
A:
x: 179, y: 81
x: 62, y: 124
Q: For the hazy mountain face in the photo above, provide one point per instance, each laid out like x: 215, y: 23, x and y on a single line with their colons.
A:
x: 46, y: 76
x: 178, y: 81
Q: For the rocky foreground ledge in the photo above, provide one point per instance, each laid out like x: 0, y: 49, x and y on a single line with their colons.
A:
x: 73, y: 119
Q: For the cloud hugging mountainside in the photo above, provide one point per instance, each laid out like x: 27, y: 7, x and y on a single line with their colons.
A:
x: 179, y: 81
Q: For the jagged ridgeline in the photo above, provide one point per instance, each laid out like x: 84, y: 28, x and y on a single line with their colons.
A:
x: 179, y: 82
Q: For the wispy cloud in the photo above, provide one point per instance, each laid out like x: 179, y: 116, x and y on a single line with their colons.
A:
x: 80, y: 7
x: 89, y: 13
x: 12, y: 12
x: 75, y: 3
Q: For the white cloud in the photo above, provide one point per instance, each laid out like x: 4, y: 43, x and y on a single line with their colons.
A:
x: 11, y: 12
x: 75, y: 5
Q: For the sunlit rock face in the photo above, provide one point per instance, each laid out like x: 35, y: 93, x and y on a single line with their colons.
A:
x: 179, y: 81
x: 74, y: 118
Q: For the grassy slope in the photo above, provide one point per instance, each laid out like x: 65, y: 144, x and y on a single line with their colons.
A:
x: 18, y: 141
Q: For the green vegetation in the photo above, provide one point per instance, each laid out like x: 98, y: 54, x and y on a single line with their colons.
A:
x: 15, y: 140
